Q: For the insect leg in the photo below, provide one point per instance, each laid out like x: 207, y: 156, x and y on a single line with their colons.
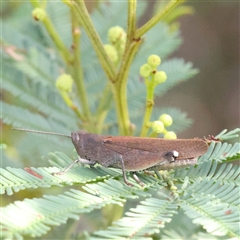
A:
x: 137, y: 179
x: 124, y: 172
x: 81, y: 160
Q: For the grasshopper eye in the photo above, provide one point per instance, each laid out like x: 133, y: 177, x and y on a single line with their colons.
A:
x: 171, y: 156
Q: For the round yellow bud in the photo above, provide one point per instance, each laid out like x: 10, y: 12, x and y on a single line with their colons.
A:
x: 115, y: 34
x: 121, y: 46
x: 39, y: 14
x: 170, y: 135
x: 166, y: 119
x: 157, y: 126
x: 145, y: 70
x: 111, y: 52
x: 160, y: 77
x: 64, y: 83
x: 154, y: 61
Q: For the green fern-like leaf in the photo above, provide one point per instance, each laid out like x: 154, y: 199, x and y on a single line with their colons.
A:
x: 224, y: 135
x: 221, y: 151
x: 19, y: 117
x: 35, y: 94
x: 212, y: 215
x: 35, y: 216
x: 142, y: 221
x: 206, y: 194
x: 217, y: 152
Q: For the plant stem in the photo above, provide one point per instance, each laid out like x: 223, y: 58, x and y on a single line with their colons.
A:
x: 71, y: 105
x: 120, y: 84
x: 156, y: 18
x: 120, y: 88
x: 73, y: 62
x: 35, y: 3
x: 63, y: 51
x: 132, y: 5
x: 149, y: 108
x: 77, y: 68
x: 86, y: 22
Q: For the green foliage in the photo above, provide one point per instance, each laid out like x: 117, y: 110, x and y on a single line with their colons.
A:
x: 34, y: 56
x: 206, y: 194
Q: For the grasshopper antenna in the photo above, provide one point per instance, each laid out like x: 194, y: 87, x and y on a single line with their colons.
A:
x: 40, y: 132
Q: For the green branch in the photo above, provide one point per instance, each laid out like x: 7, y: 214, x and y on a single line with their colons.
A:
x: 120, y: 89
x: 155, y: 19
x: 77, y: 67
x: 63, y: 51
x: 72, y: 61
x: 148, y: 111
x: 86, y: 23
x: 132, y: 6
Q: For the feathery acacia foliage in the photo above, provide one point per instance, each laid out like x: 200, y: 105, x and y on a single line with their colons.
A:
x: 204, y: 195
x: 207, y: 194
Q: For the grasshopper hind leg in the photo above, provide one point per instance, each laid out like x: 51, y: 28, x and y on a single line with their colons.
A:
x: 135, y: 177
x: 124, y: 173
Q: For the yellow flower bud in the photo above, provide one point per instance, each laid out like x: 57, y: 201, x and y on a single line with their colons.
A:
x: 166, y: 119
x: 64, y: 83
x: 157, y: 126
x: 170, y: 135
x: 122, y: 45
x: 111, y: 52
x: 145, y: 70
x: 39, y: 14
x: 115, y: 34
x: 154, y: 61
x: 160, y: 77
